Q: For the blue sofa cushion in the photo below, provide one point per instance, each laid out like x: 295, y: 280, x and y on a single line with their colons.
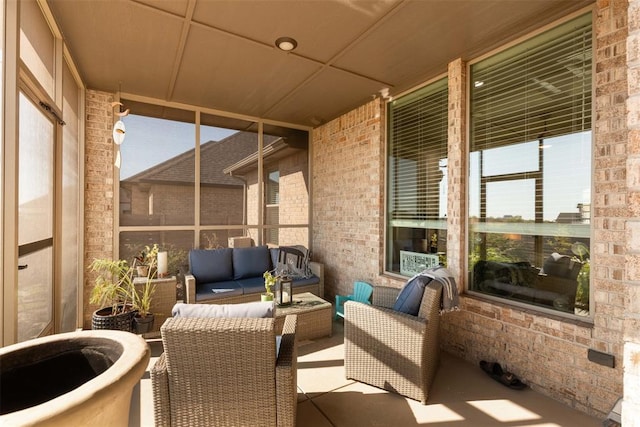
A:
x: 252, y: 285
x: 211, y: 265
x: 213, y: 290
x: 250, y: 309
x: 250, y: 262
x: 410, y: 295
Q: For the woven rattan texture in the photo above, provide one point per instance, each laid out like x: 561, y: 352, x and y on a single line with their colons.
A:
x: 315, y: 316
x: 391, y: 350
x: 222, y: 372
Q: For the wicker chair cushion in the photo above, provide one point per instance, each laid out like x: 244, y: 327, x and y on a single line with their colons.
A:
x: 249, y: 309
x: 410, y: 295
x: 211, y: 265
x: 250, y: 262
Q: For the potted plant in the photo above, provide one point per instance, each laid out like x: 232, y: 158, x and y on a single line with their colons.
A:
x: 112, y: 292
x: 269, y: 283
x: 141, y: 297
x: 145, y: 258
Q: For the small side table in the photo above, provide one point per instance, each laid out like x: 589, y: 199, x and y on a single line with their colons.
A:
x: 164, y: 298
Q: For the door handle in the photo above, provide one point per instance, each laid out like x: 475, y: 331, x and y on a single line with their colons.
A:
x: 23, y: 266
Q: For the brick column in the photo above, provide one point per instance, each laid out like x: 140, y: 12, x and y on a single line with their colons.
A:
x: 99, y: 188
x: 457, y: 171
x: 631, y: 402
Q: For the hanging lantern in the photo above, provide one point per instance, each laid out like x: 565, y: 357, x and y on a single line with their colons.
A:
x: 283, y: 291
x: 118, y: 132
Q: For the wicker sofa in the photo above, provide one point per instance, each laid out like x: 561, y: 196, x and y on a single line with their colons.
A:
x: 234, y: 275
x: 373, y: 352
x: 226, y: 372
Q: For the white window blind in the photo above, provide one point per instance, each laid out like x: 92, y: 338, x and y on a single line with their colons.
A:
x: 536, y: 90
x: 418, y: 153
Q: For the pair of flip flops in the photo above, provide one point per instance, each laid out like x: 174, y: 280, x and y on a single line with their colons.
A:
x: 495, y: 371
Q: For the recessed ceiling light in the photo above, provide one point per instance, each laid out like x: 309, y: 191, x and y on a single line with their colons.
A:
x: 286, y: 43
x: 478, y: 83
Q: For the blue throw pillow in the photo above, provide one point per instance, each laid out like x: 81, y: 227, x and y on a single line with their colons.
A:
x: 410, y: 295
x: 250, y: 262
x: 211, y: 265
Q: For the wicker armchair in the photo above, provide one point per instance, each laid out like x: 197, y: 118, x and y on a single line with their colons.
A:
x: 225, y: 372
x: 392, y: 350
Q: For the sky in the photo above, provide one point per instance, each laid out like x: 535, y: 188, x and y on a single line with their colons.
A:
x: 150, y: 141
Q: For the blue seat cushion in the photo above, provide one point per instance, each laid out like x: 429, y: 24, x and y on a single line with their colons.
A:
x: 211, y: 265
x: 252, y: 285
x: 410, y: 295
x: 209, y: 291
x: 312, y: 280
x: 250, y: 262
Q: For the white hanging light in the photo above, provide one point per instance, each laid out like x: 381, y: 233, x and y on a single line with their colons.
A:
x: 118, y: 132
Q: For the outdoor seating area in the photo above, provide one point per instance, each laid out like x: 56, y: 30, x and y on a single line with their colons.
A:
x: 462, y: 395
x: 435, y: 203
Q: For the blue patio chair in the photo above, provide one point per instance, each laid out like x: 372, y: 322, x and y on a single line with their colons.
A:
x: 361, y: 292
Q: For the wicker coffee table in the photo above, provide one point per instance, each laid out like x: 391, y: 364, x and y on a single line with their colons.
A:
x: 314, y: 316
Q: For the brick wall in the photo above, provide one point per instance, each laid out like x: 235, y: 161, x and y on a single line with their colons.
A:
x: 631, y: 402
x: 547, y: 352
x: 348, y: 204
x: 99, y: 188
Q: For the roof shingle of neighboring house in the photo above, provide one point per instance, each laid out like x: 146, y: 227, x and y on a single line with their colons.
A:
x: 215, y: 156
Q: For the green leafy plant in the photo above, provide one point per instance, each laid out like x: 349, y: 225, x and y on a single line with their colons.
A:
x: 582, y: 255
x: 113, y: 285
x: 269, y: 281
x: 148, y: 255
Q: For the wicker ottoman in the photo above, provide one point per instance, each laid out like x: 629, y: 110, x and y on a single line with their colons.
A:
x: 314, y: 316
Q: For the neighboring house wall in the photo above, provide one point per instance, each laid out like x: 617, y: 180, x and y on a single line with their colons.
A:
x: 549, y: 353
x: 294, y: 199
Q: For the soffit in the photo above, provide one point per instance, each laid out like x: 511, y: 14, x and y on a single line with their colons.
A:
x: 220, y: 54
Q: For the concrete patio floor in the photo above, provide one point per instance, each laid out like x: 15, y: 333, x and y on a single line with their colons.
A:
x: 461, y: 396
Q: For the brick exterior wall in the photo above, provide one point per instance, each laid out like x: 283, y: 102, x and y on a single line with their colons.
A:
x: 547, y: 352
x: 99, y: 188
x: 631, y: 402
x: 348, y: 198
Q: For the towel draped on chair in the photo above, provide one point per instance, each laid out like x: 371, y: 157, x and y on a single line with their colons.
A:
x: 449, y: 301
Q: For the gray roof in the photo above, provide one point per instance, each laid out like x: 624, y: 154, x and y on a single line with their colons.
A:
x: 215, y: 156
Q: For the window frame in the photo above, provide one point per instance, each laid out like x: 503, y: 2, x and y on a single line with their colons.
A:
x: 589, y: 317
x: 439, y: 224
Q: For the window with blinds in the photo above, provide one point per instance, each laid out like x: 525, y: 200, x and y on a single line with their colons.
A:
x: 416, y: 177
x: 530, y: 170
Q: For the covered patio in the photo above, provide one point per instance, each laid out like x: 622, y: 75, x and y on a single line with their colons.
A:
x: 304, y: 154
x: 462, y: 396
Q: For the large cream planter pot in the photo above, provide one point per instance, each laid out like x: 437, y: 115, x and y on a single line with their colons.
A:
x: 82, y: 378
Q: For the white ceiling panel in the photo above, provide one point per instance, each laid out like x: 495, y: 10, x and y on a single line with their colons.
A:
x: 220, y: 54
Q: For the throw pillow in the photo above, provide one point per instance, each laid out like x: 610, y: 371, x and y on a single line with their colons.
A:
x: 410, y: 295
x: 250, y: 262
x: 211, y: 265
x: 250, y: 309
x: 294, y: 262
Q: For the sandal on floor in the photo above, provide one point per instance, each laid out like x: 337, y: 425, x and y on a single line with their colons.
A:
x: 494, y: 370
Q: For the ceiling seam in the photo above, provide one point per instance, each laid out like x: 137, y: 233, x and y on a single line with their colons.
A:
x: 186, y: 25
x: 328, y: 64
